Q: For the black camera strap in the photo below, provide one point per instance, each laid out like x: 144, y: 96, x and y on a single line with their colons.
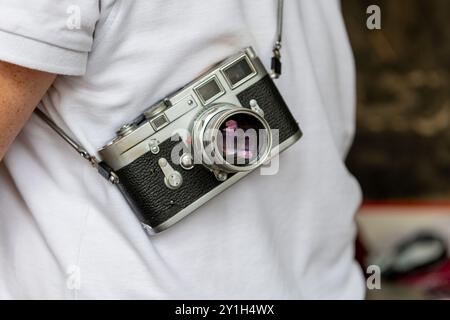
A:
x: 103, y: 169
x: 276, y: 59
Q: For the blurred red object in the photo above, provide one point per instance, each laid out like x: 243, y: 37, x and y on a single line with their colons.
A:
x: 435, y: 281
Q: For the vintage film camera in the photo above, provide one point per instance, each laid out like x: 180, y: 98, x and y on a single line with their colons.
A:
x: 236, y: 95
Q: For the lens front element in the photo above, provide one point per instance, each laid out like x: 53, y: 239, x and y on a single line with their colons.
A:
x: 232, y: 139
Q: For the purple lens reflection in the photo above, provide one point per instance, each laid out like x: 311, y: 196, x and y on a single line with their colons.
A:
x: 240, y: 139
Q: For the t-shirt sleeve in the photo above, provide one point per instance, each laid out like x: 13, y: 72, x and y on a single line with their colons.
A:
x: 55, y: 36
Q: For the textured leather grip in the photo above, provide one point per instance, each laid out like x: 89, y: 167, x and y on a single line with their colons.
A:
x: 276, y: 112
x: 143, y: 184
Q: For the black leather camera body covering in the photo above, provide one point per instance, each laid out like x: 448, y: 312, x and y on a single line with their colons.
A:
x: 142, y: 181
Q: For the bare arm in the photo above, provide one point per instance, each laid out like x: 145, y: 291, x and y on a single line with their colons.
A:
x: 21, y: 89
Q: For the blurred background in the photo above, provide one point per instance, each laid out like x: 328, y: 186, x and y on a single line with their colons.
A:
x: 401, y: 153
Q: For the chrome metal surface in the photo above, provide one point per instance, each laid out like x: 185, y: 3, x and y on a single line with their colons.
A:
x: 205, y: 132
x: 154, y: 147
x: 181, y: 109
x: 156, y: 110
x: 126, y: 129
x: 172, y: 178
x: 255, y: 107
x: 187, y: 161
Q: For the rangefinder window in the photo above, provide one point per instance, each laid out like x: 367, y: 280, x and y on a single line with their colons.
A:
x: 209, y: 91
x: 159, y: 122
x: 238, y: 72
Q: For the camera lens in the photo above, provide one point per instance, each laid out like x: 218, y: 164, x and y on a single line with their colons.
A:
x: 232, y: 139
x: 241, y: 137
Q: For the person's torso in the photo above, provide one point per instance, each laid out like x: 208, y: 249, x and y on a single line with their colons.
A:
x: 65, y: 232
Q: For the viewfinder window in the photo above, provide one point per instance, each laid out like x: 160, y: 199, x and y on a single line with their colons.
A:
x: 159, y: 122
x: 238, y: 71
x: 209, y: 90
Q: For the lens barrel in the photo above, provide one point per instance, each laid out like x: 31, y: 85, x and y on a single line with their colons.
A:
x: 231, y: 139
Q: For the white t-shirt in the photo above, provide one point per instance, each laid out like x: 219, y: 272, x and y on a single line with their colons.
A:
x: 66, y: 233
